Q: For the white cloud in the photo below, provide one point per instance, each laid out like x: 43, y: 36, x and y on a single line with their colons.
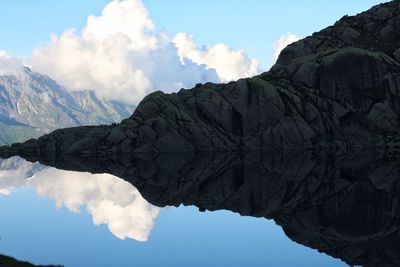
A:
x: 103, y: 66
x: 121, y: 57
x: 10, y: 65
x: 127, y: 17
x: 230, y: 64
x: 282, y: 42
x: 14, y: 172
x: 108, y: 199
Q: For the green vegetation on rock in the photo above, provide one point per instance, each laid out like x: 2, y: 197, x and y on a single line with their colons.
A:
x: 16, y: 133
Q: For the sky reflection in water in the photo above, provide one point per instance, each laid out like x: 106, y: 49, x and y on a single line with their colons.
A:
x: 33, y: 229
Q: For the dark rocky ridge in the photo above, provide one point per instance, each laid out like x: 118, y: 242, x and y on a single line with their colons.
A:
x: 337, y: 89
x: 345, y: 205
x: 7, y: 261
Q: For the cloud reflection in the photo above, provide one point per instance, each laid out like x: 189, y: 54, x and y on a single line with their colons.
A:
x: 14, y: 172
x: 108, y: 199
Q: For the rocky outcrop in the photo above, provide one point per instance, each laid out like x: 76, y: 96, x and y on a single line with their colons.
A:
x: 345, y: 205
x: 8, y: 261
x: 337, y: 89
x: 375, y: 30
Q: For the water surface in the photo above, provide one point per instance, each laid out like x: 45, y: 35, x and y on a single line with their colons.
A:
x: 75, y: 218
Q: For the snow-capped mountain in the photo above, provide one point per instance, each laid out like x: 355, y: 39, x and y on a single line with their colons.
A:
x: 33, y: 104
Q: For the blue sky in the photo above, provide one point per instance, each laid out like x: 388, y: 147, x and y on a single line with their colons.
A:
x: 252, y: 25
x: 245, y: 30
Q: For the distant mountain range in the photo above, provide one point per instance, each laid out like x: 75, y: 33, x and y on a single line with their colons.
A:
x: 34, y: 104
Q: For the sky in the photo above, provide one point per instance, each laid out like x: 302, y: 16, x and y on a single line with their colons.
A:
x: 124, y: 49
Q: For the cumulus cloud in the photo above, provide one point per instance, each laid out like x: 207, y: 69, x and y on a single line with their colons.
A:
x: 282, y: 42
x: 120, y: 56
x: 108, y: 199
x: 230, y: 64
x: 102, y: 66
x: 127, y: 17
x: 10, y: 65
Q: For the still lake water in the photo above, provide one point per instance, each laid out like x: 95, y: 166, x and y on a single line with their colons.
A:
x: 52, y: 216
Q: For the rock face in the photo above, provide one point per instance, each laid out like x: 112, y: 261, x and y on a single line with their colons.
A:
x: 345, y: 205
x: 339, y: 88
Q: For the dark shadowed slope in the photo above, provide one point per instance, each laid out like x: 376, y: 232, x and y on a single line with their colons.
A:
x: 339, y: 88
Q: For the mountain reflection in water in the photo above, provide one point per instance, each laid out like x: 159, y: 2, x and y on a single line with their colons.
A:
x: 345, y: 205
x: 108, y: 199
